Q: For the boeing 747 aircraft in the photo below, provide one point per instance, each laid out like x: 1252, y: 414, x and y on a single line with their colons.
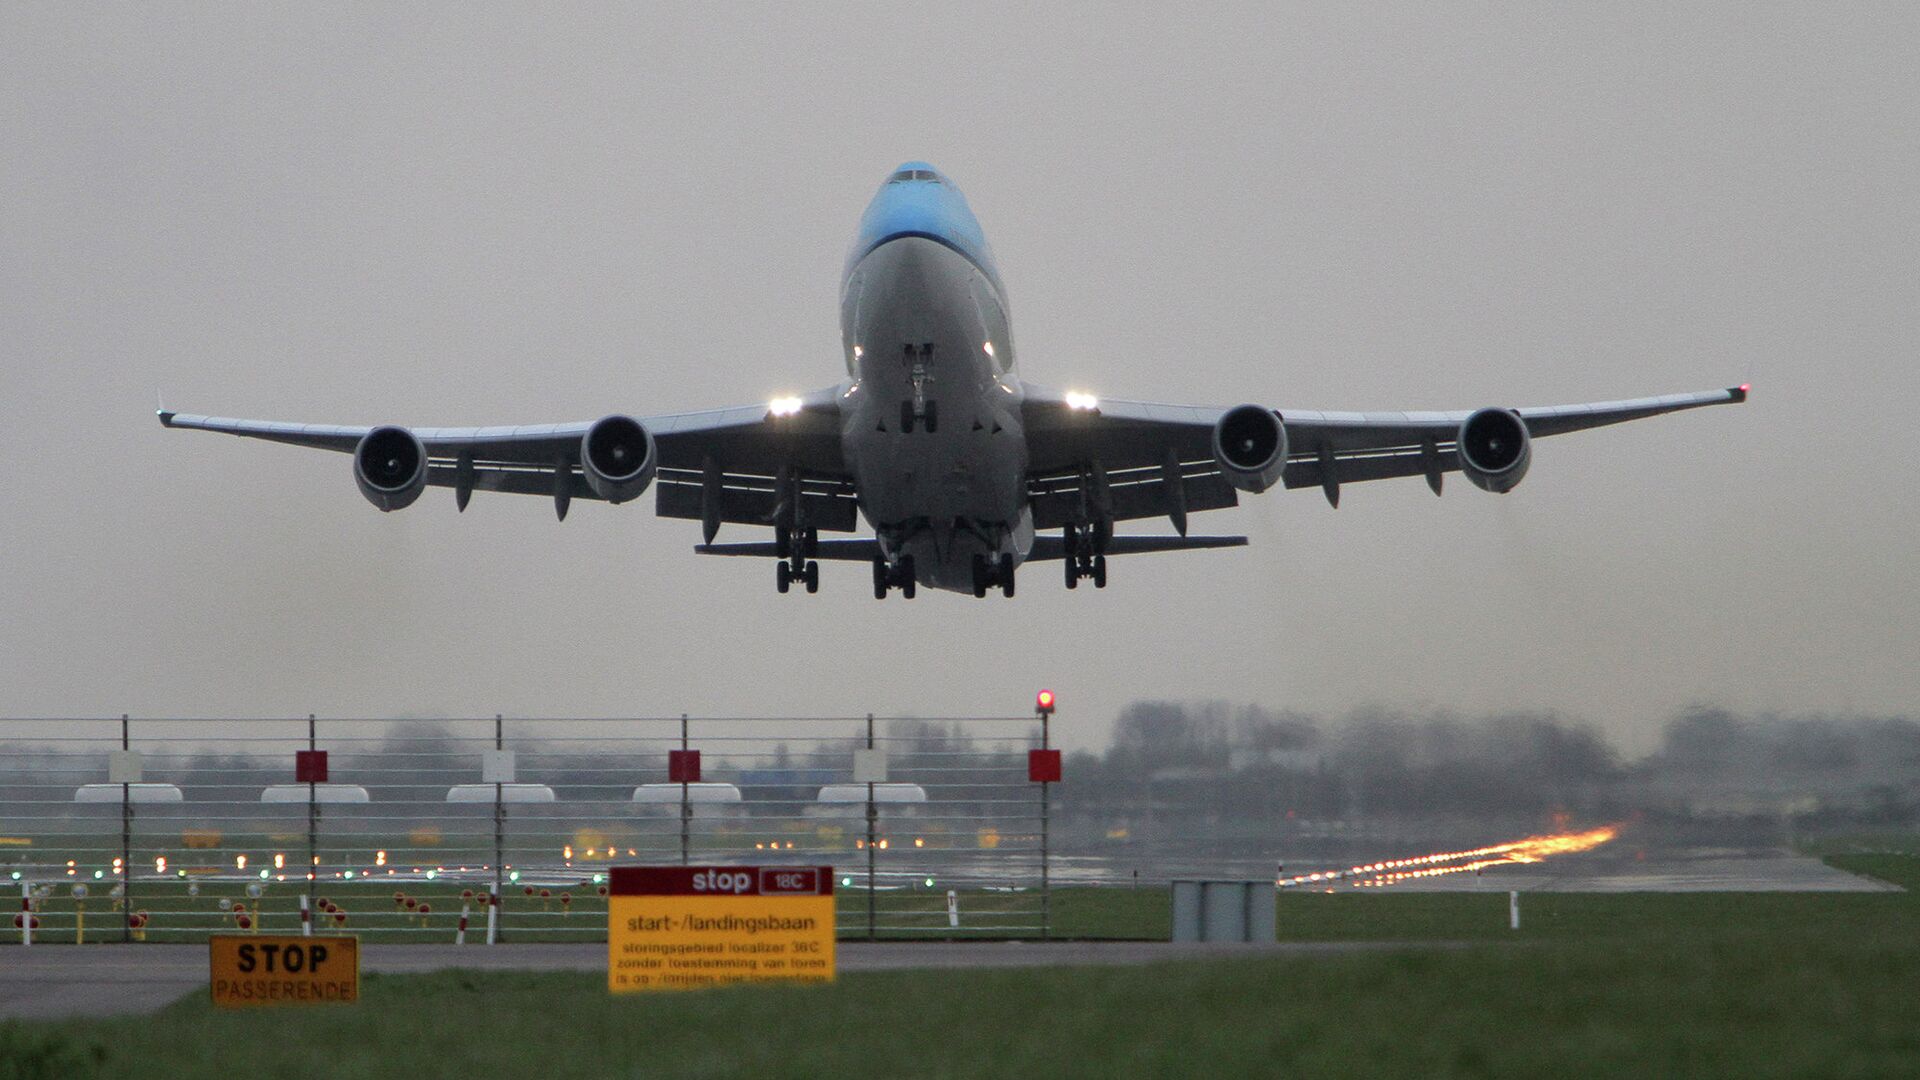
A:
x: 963, y: 470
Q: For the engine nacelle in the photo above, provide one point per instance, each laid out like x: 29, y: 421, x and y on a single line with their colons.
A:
x: 1495, y: 449
x: 617, y: 456
x: 1250, y: 445
x: 390, y: 465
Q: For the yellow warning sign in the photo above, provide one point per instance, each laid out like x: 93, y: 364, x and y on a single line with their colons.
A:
x: 691, y: 927
x: 264, y: 969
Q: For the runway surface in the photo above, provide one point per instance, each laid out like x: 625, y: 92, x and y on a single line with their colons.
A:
x: 54, y: 981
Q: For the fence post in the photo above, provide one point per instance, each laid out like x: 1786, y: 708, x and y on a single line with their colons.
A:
x: 499, y: 829
x: 313, y: 818
x: 686, y: 807
x: 1046, y: 889
x: 126, y: 843
x: 873, y: 823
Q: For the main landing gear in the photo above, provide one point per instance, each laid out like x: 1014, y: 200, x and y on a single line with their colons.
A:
x: 794, y: 548
x: 899, y: 575
x: 807, y: 573
x: 1084, y: 558
x: 988, y: 573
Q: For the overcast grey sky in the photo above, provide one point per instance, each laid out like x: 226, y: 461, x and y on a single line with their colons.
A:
x: 458, y: 215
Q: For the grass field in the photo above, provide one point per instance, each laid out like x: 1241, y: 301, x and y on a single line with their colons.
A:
x: 1614, y: 985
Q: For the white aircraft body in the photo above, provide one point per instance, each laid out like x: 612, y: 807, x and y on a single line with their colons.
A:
x: 963, y: 470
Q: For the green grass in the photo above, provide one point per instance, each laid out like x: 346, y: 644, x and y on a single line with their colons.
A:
x: 1594, y: 985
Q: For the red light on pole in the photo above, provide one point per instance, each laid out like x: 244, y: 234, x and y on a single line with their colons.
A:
x: 1043, y: 703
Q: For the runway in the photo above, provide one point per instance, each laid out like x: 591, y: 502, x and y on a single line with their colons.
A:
x: 48, y: 982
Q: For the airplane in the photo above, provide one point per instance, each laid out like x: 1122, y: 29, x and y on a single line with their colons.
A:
x: 963, y: 470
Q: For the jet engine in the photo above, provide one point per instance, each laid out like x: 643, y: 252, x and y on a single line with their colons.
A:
x: 1495, y: 449
x: 1250, y: 445
x: 616, y: 454
x: 390, y: 465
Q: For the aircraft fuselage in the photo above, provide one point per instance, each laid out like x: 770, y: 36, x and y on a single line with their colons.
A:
x: 932, y: 431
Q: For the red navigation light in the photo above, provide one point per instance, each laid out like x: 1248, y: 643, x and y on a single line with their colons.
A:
x: 1043, y: 703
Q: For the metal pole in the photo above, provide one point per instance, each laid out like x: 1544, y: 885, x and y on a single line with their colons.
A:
x: 313, y: 819
x: 873, y: 822
x: 686, y: 807
x: 499, y: 830
x: 126, y: 843
x: 1046, y: 890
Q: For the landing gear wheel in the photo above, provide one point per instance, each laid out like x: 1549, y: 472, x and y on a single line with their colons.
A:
x: 784, y: 579
x: 906, y: 417
x: 979, y: 576
x: 1072, y: 563
x: 879, y: 579
x: 931, y: 414
x: 1006, y: 574
x: 1099, y: 571
x: 812, y: 577
x: 906, y: 576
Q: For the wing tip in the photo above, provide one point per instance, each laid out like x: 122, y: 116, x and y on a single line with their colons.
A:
x: 1739, y: 393
x: 166, y: 417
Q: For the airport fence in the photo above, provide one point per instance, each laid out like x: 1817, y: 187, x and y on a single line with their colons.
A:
x: 481, y: 830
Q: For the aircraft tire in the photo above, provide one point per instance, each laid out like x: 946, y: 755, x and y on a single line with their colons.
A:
x: 1006, y: 575
x: 1072, y: 563
x: 812, y: 577
x: 879, y: 579
x: 1099, y: 571
x: 783, y: 579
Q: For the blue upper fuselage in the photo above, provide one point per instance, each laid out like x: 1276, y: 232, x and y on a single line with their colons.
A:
x: 918, y: 200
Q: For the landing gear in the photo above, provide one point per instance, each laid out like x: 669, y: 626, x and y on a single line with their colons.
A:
x: 1084, y: 558
x: 988, y: 573
x: 807, y: 573
x: 899, y: 575
x: 928, y: 412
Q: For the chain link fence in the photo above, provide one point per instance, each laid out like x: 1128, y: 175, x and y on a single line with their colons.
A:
x: 478, y: 830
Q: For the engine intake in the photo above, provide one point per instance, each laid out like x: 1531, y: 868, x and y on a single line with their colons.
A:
x: 390, y: 465
x: 1495, y: 449
x: 617, y: 456
x: 1250, y: 446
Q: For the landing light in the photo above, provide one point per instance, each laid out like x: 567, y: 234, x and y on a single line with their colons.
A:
x: 1078, y: 400
x: 783, y: 406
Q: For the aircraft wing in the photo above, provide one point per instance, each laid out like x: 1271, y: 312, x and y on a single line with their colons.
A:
x: 1143, y: 448
x: 714, y: 466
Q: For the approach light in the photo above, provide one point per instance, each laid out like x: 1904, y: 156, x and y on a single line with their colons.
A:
x: 1043, y: 703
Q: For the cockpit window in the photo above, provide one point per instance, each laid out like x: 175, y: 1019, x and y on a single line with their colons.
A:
x: 914, y: 174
